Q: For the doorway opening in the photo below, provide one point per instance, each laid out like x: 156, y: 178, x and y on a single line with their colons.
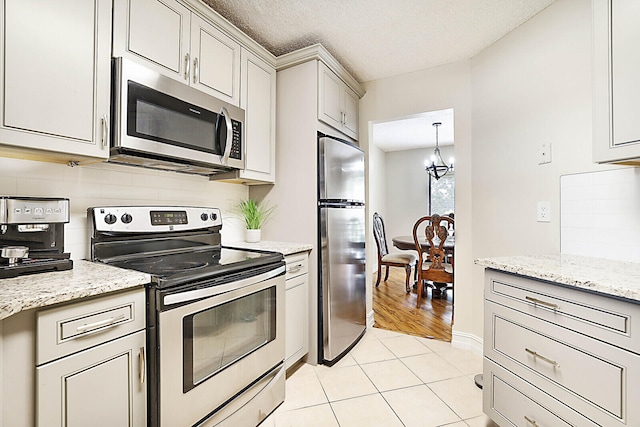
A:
x: 403, y: 191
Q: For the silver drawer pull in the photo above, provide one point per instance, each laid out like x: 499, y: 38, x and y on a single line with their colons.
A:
x: 100, y: 323
x: 538, y: 301
x: 535, y: 354
x: 530, y: 421
x: 295, y: 268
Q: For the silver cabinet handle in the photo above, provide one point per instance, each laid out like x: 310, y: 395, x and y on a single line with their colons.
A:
x: 110, y: 321
x: 142, y: 365
x: 538, y: 301
x: 105, y: 131
x: 196, y: 71
x: 187, y: 65
x: 294, y: 268
x: 536, y: 355
x: 530, y: 421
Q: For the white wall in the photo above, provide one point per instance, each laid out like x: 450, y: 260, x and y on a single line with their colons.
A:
x: 407, y: 189
x: 438, y: 88
x: 530, y: 87
x: 107, y: 184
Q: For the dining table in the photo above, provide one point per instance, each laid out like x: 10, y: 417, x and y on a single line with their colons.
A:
x: 406, y: 243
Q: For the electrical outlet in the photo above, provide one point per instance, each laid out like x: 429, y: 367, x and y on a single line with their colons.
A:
x: 544, y: 155
x: 544, y: 211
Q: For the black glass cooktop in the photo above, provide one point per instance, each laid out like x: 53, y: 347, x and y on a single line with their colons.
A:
x: 171, y: 269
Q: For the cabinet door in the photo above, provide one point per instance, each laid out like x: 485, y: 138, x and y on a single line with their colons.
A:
x: 56, y: 75
x: 102, y: 386
x: 259, y: 102
x: 296, y: 336
x: 337, y: 103
x: 350, y: 102
x: 616, y: 66
x: 156, y: 31
x: 215, y: 61
x: 329, y: 97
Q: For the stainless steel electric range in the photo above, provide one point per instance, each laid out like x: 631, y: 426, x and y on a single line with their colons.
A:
x: 215, y: 315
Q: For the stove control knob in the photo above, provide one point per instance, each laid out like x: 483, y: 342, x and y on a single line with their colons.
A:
x: 214, y: 216
x: 204, y: 216
x: 110, y: 219
x: 126, y: 218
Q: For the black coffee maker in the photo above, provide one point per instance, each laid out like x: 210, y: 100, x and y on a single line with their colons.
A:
x: 32, y: 235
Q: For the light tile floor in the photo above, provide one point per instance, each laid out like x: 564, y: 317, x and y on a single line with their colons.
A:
x: 388, y: 379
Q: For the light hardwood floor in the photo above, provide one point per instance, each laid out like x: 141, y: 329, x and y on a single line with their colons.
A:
x: 395, y: 310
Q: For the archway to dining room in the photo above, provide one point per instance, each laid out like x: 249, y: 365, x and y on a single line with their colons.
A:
x: 400, y: 151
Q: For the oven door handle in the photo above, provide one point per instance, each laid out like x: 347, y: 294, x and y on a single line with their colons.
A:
x: 198, y: 294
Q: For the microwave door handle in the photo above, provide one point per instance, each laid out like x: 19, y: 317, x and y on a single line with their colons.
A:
x: 224, y: 158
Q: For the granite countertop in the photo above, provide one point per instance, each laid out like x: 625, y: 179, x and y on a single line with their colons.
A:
x: 285, y: 248
x: 613, y: 278
x: 84, y: 280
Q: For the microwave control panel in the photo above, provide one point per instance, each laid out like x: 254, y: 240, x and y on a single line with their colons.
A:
x: 236, y: 143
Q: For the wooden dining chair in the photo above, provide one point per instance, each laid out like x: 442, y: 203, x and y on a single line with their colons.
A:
x: 406, y: 260
x: 435, y: 270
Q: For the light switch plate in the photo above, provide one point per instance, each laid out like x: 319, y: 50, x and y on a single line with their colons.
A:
x: 544, y: 212
x: 544, y: 155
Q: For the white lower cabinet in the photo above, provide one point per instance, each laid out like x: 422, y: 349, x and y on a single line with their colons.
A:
x: 513, y: 402
x: 556, y: 357
x: 102, y: 386
x: 297, y: 308
x: 91, y: 367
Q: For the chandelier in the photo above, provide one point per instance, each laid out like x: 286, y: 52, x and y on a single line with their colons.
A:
x: 438, y: 168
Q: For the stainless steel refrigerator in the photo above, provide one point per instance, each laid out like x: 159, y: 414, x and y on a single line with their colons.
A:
x: 341, y: 234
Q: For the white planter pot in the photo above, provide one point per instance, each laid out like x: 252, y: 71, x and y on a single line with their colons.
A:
x: 252, y: 236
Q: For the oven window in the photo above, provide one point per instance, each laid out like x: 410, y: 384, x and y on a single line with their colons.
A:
x: 221, y: 335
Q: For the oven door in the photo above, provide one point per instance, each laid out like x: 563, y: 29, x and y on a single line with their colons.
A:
x: 214, y: 350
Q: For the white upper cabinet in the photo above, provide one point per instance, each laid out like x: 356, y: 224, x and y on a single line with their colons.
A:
x: 616, y: 61
x: 173, y: 40
x: 259, y: 102
x: 337, y: 103
x: 56, y: 76
x: 157, y: 31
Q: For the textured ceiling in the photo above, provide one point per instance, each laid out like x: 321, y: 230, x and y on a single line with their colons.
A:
x: 373, y: 39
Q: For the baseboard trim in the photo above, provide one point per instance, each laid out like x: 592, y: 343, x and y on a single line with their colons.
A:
x: 370, y: 319
x: 467, y: 341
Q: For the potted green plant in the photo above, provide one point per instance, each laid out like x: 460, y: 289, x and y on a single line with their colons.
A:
x: 254, y: 215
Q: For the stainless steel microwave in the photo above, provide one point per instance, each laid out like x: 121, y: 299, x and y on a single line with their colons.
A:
x: 162, y: 123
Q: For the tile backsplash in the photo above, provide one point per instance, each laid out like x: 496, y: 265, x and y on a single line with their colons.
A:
x: 103, y: 184
x: 600, y: 214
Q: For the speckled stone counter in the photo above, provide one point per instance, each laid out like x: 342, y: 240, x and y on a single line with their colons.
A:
x: 614, y: 278
x: 84, y: 280
x: 285, y: 248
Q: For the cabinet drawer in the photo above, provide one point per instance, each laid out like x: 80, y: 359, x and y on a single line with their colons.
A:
x: 590, y: 376
x: 604, y: 318
x: 296, y: 265
x: 77, y: 326
x: 513, y: 402
x: 561, y: 363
